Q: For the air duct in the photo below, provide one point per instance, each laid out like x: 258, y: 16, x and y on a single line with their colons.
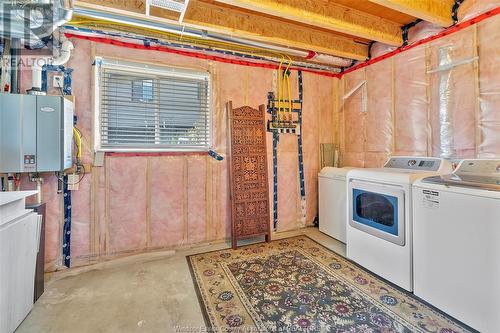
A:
x: 14, y: 65
x: 32, y: 20
x: 327, y: 59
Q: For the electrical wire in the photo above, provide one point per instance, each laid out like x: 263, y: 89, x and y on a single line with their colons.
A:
x: 283, y: 113
x: 123, y: 27
x: 61, y: 179
x: 279, y: 92
x: 287, y: 79
x: 78, y: 142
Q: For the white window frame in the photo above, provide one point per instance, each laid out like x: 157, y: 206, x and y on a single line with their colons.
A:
x: 137, y: 67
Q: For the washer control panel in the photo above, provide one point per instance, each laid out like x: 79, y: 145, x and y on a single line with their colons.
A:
x: 479, y: 166
x: 414, y: 163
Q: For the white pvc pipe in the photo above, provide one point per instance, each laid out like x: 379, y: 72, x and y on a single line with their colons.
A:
x: 64, y: 55
x: 36, y: 77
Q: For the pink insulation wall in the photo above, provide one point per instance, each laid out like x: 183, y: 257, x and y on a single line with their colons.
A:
x: 438, y: 99
x: 139, y: 203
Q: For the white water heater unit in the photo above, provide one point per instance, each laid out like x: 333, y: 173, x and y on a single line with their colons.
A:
x: 36, y: 133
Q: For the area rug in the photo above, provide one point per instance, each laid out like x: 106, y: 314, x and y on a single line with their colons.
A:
x: 297, y: 285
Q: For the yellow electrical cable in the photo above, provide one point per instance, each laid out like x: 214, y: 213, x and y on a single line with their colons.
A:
x: 78, y: 140
x: 223, y: 45
x: 289, y: 99
x: 249, y: 50
x: 289, y: 90
x: 279, y: 90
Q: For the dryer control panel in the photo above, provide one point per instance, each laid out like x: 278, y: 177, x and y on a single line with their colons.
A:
x: 415, y: 163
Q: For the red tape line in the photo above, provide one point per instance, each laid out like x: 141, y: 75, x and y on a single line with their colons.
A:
x: 149, y: 154
x: 442, y: 34
x: 115, y: 42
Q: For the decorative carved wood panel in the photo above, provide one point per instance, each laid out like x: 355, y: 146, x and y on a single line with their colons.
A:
x: 248, y: 173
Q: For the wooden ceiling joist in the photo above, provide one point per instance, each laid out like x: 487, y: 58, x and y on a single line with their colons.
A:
x: 253, y: 26
x: 327, y: 15
x: 242, y: 24
x: 434, y: 11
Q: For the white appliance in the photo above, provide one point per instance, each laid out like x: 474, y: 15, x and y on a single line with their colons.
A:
x: 457, y: 243
x: 379, y: 229
x: 19, y: 240
x: 332, y: 202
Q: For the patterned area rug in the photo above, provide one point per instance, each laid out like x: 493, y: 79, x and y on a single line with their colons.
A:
x: 297, y: 285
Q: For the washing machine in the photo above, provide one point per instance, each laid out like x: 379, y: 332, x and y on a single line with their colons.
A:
x: 456, y: 222
x: 379, y: 229
x: 332, y: 202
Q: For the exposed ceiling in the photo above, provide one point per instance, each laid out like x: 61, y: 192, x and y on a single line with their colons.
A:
x: 342, y: 28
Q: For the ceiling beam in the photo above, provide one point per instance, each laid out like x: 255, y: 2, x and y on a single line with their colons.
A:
x: 265, y: 29
x: 251, y: 26
x: 328, y: 16
x: 434, y: 11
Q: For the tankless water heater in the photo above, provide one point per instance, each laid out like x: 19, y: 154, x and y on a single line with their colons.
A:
x: 36, y: 133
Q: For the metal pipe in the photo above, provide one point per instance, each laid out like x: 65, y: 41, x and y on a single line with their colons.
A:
x: 186, y: 31
x: 39, y: 182
x: 60, y: 182
x: 10, y: 182
x: 35, y: 178
x: 14, y: 63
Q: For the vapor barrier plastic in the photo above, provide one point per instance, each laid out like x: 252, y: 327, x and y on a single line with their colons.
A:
x: 422, y: 30
x: 354, y: 109
x: 489, y: 88
x: 377, y: 49
x: 453, y: 100
x: 379, y: 125
x: 445, y: 96
x: 411, y: 106
x: 472, y: 8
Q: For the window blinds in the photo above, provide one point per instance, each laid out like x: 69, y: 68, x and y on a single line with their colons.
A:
x: 149, y: 109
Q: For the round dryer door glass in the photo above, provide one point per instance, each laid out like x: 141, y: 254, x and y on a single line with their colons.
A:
x: 376, y: 208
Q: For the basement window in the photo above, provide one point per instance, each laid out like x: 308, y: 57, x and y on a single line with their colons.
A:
x: 140, y: 107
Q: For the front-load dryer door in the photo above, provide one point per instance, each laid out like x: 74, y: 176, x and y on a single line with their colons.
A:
x: 378, y: 209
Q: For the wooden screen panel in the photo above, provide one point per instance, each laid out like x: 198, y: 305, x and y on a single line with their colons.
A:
x: 248, y: 173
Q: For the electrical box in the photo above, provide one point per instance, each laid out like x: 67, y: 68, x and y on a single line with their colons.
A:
x: 36, y: 133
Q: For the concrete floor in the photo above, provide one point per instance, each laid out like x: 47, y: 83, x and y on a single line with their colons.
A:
x: 151, y: 292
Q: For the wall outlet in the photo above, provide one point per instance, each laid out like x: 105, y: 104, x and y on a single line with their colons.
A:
x: 58, y: 81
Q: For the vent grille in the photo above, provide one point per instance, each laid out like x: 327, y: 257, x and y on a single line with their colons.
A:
x: 173, y: 5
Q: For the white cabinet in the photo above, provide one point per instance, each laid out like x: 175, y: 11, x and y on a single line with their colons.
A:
x: 19, y: 235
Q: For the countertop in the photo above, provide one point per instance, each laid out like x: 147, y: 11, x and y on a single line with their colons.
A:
x: 8, y: 197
